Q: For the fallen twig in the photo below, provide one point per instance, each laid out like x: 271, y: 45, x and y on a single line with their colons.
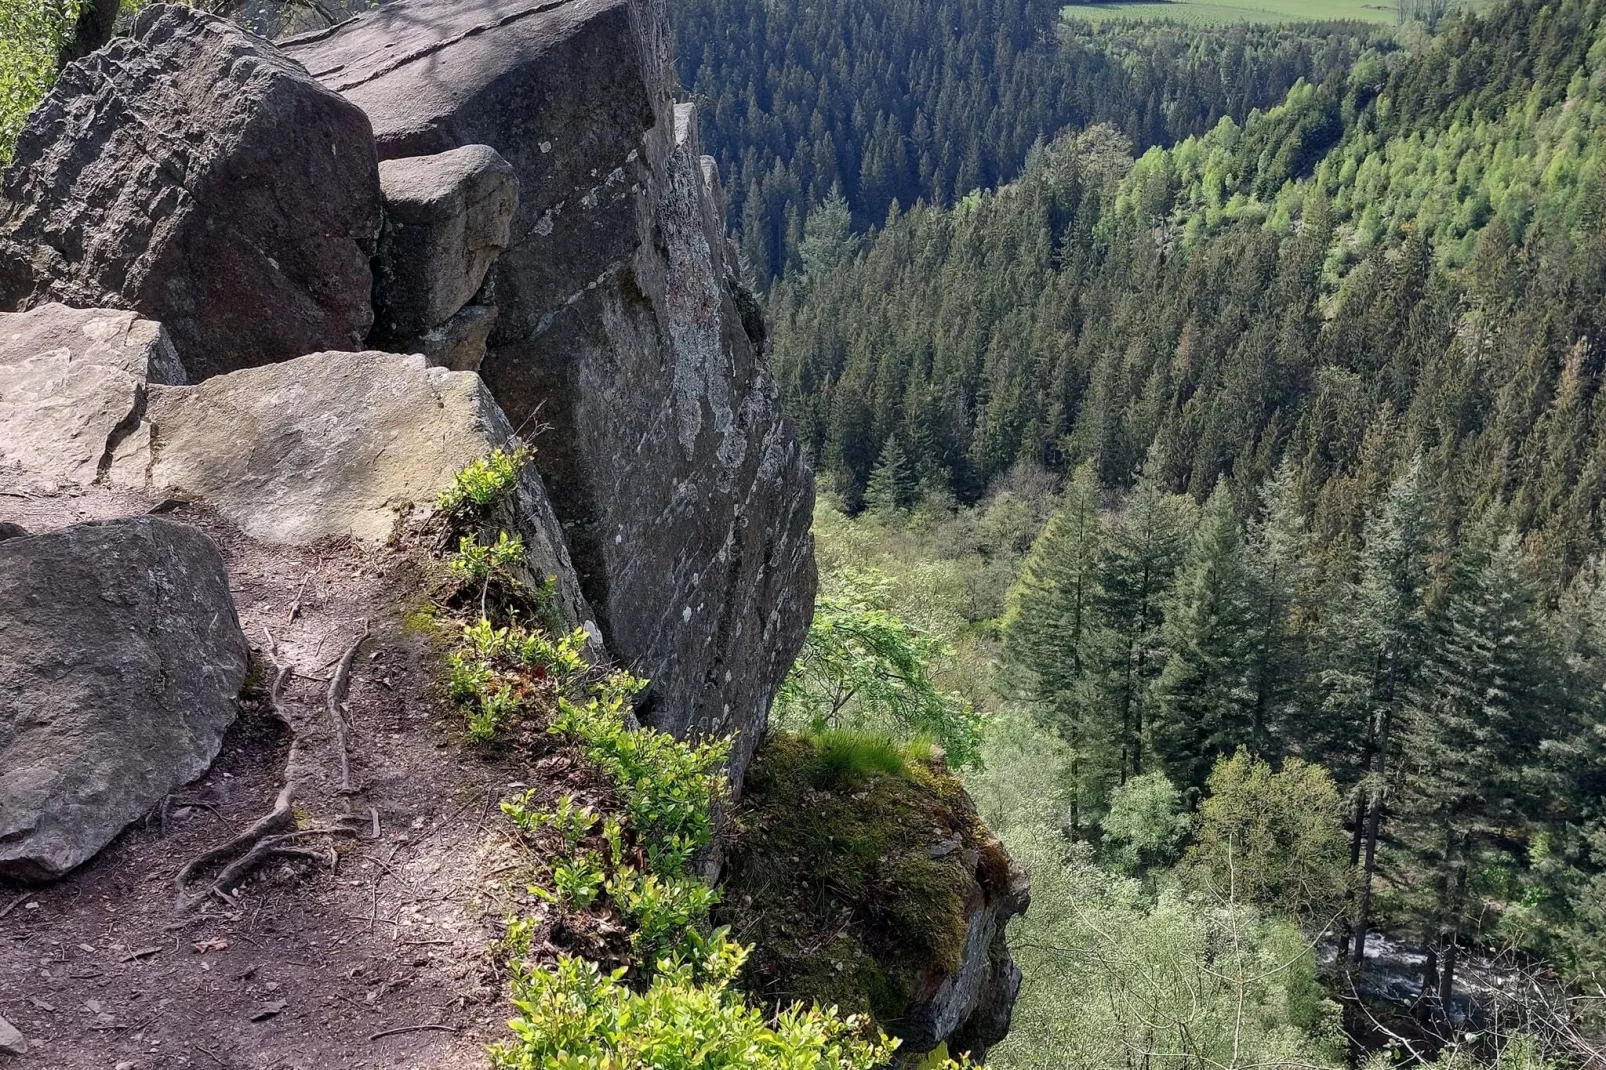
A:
x: 16, y: 902
x: 295, y: 607
x: 412, y: 1029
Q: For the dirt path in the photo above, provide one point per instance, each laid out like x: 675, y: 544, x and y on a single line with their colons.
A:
x: 309, y: 967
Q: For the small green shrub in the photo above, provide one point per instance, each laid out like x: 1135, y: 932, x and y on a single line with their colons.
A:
x: 572, y: 821
x: 573, y: 1016
x: 668, y: 786
x: 579, y: 880
x: 486, y: 674
x: 482, y: 482
x: 477, y: 563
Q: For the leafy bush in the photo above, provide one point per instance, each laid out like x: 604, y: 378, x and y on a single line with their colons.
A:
x: 1275, y: 839
x: 32, y: 33
x: 1146, y: 822
x: 865, y: 668
x: 485, y: 677
x: 573, y: 1017
x: 1169, y: 982
x: 668, y: 786
x: 476, y: 562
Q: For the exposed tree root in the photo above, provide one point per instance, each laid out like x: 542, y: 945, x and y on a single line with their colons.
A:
x: 273, y: 835
x: 334, y: 697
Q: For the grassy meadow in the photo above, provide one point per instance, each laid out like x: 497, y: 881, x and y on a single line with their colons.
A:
x: 1215, y: 12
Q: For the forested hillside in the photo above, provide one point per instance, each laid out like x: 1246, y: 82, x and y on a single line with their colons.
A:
x: 1312, y: 619
x: 912, y: 102
x: 1372, y: 270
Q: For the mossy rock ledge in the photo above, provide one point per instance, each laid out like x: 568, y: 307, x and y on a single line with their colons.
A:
x: 878, y: 890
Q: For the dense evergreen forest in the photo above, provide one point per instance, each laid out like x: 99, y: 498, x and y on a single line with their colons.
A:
x: 1371, y: 270
x: 908, y: 102
x: 1284, y: 440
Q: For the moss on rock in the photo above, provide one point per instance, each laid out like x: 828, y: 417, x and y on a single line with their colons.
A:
x: 854, y: 867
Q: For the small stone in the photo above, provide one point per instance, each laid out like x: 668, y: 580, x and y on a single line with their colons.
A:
x: 12, y: 1042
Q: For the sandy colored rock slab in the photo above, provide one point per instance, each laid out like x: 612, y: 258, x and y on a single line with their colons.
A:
x: 337, y: 445
x: 72, y: 382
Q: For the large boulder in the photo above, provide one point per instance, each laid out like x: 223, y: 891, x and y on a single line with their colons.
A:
x: 446, y: 219
x: 121, y: 660
x: 192, y: 173
x: 72, y: 385
x: 681, y: 488
x: 337, y: 445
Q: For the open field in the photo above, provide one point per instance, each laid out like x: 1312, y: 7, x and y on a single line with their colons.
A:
x: 1215, y: 11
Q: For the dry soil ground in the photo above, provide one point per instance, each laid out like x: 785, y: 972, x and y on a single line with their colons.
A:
x: 383, y: 959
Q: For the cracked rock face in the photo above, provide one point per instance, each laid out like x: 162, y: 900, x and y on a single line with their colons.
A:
x: 73, y: 385
x: 680, y: 487
x: 193, y: 174
x: 121, y: 660
x: 970, y: 1008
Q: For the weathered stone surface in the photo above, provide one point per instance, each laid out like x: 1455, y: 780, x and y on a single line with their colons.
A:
x: 971, y: 1008
x: 194, y: 174
x: 72, y: 384
x: 681, y: 488
x: 563, y: 91
x: 459, y: 343
x: 121, y: 661
x: 335, y: 445
x: 446, y: 219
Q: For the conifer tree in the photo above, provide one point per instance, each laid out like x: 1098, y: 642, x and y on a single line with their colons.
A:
x: 1476, y: 714
x: 1280, y: 572
x: 1136, y: 569
x: 828, y: 237
x: 1204, y: 703
x: 893, y: 485
x: 1377, y: 635
x: 1050, y: 621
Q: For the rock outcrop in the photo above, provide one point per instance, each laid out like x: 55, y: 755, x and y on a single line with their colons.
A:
x: 120, y: 665
x: 549, y: 223
x: 969, y: 1008
x: 337, y: 445
x: 679, y: 485
x: 447, y: 217
x: 73, y: 385
x: 193, y: 174
x: 880, y: 892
